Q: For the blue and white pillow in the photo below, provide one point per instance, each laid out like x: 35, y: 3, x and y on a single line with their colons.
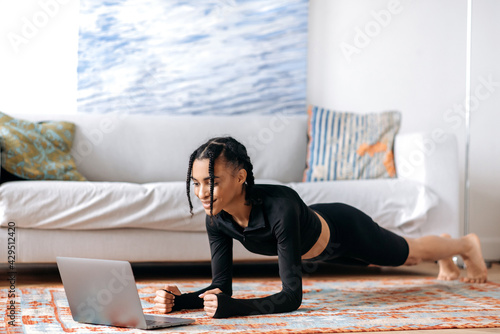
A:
x: 347, y: 146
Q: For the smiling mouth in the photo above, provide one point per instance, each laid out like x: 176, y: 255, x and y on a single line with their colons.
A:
x: 206, y: 205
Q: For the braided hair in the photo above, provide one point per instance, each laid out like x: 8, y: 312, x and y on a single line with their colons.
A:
x: 234, y: 153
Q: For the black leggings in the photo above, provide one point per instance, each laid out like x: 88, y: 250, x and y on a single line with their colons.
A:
x: 355, y: 239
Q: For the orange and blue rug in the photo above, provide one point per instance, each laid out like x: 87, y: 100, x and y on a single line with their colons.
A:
x: 327, y: 307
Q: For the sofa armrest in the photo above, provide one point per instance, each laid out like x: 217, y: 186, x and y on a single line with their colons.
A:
x: 432, y: 160
x: 1, y: 154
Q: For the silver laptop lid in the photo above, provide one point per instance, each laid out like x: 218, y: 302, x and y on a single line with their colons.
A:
x: 101, y: 292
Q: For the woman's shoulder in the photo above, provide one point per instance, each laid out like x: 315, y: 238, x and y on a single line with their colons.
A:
x: 274, y: 191
x: 280, y: 204
x: 272, y: 195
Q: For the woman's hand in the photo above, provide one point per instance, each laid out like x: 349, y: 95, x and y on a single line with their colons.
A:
x: 164, y: 301
x: 210, y: 301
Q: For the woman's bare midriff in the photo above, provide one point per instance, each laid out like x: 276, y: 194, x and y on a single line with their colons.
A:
x: 322, y: 241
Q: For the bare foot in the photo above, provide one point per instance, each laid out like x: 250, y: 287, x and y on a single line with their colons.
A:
x: 474, y: 262
x: 448, y: 270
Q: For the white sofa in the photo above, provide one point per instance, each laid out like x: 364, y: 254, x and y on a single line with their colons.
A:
x: 134, y: 206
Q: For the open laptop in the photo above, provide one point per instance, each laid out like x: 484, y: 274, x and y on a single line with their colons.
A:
x: 103, y: 292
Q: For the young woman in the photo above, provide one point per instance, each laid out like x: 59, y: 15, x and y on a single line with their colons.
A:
x: 273, y: 220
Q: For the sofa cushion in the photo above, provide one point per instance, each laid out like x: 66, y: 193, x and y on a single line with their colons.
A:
x: 397, y: 205
x: 99, y: 205
x: 346, y: 146
x: 37, y: 151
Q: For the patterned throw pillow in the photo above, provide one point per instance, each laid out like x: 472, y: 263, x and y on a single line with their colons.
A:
x: 37, y: 151
x: 347, y: 146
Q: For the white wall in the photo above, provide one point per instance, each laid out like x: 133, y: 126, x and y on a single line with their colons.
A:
x: 38, y: 56
x: 485, y: 123
x: 410, y: 55
x: 415, y: 64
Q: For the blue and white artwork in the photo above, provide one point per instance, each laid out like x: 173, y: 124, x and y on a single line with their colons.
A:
x: 193, y: 56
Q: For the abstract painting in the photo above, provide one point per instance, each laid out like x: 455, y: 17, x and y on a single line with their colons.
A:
x: 192, y: 57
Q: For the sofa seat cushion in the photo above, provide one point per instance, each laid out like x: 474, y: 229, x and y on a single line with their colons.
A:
x: 398, y: 205
x: 76, y: 205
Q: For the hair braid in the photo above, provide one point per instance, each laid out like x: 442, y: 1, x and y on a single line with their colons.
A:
x: 250, y: 182
x: 211, y: 173
x: 212, y: 155
x: 188, y: 181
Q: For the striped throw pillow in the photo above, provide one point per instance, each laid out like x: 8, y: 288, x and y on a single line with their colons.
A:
x: 347, y: 146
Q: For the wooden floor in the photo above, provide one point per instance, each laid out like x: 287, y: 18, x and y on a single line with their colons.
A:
x: 42, y: 274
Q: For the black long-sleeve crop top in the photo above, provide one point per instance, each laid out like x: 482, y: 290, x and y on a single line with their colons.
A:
x: 280, y: 224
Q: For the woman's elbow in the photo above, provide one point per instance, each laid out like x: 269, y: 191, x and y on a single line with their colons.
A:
x: 297, y: 305
x: 294, y: 304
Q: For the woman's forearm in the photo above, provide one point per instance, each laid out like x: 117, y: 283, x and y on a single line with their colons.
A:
x: 278, y: 303
x: 191, y: 300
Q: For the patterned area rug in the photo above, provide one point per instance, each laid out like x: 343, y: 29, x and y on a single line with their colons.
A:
x: 328, y: 307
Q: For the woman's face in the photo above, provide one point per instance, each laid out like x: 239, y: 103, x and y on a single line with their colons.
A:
x: 228, y: 184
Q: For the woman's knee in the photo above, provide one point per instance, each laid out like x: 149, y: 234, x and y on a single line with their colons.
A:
x: 414, y: 254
